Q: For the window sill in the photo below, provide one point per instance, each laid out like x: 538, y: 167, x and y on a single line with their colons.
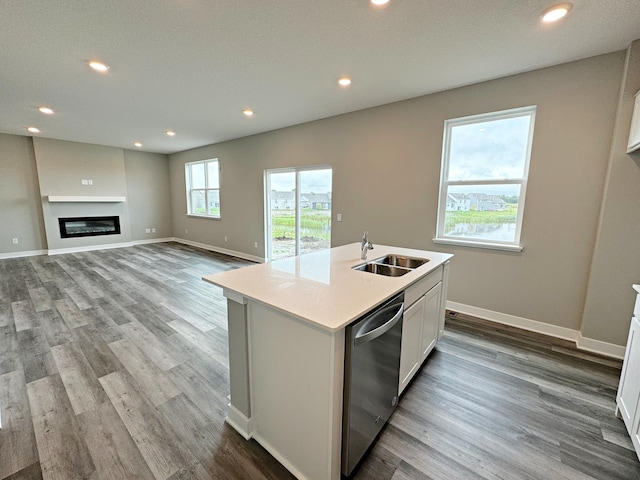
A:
x: 485, y: 245
x: 208, y: 217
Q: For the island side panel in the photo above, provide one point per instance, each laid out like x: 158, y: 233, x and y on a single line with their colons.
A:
x: 296, y: 372
x: 239, y: 413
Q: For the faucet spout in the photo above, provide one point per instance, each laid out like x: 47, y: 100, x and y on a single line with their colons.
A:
x: 365, y: 246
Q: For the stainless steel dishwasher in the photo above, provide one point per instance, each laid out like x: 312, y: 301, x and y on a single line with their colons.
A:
x: 372, y: 373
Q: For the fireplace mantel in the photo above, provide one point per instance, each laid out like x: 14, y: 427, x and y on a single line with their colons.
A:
x: 85, y: 199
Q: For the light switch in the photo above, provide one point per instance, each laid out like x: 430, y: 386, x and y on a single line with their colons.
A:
x: 339, y: 217
x: 84, y: 182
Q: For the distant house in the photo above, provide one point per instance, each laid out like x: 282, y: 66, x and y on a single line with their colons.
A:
x: 318, y: 201
x: 458, y: 202
x: 287, y: 200
x: 282, y: 200
x: 486, y: 203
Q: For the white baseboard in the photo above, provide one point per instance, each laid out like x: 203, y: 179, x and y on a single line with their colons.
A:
x: 224, y: 251
x: 582, y: 343
x: 598, y: 346
x: 239, y: 422
x: 107, y: 246
x: 152, y: 240
x: 60, y: 251
x: 29, y: 253
x: 88, y: 248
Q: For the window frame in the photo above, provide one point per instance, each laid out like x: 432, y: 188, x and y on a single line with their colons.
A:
x: 445, y: 183
x: 207, y: 189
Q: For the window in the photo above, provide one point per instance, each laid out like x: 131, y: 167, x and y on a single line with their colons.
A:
x: 297, y: 211
x: 203, y: 188
x: 485, y: 163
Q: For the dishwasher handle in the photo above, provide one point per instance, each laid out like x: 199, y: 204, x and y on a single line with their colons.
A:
x: 374, y: 333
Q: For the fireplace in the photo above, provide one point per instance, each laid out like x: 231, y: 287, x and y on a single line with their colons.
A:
x: 88, y: 226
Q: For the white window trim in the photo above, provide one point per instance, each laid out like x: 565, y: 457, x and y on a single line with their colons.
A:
x: 207, y: 189
x: 267, y: 201
x: 440, y: 238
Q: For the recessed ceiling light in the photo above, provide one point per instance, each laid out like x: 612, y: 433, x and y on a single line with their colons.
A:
x: 137, y: 144
x: 46, y: 110
x: 98, y: 66
x: 171, y: 133
x: 344, y: 81
x: 33, y: 129
x: 556, y: 12
x: 379, y: 2
x: 247, y: 112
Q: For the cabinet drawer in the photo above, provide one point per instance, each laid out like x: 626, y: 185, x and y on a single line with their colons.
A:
x: 422, y: 286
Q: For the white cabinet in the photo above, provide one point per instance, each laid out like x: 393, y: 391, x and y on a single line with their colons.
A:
x: 634, y: 134
x: 431, y: 320
x: 628, y: 398
x: 443, y: 297
x: 411, y: 342
x: 420, y: 329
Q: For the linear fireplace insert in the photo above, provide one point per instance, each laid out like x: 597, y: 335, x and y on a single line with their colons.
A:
x: 88, y: 226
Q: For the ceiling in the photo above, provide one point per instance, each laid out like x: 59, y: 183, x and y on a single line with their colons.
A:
x: 192, y: 66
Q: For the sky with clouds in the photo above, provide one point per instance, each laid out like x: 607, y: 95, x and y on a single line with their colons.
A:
x: 316, y: 181
x: 494, y: 149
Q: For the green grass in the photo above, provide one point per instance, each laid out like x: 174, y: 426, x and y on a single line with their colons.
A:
x: 313, y: 223
x: 212, y: 211
x: 509, y: 215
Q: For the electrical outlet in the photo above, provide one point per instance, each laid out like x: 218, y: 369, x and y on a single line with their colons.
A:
x: 225, y: 238
x: 153, y: 230
x: 147, y: 230
x: 84, y: 182
x: 14, y: 241
x: 186, y: 231
x: 255, y: 244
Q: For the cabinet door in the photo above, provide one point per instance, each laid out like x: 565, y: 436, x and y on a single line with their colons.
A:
x: 431, y: 322
x: 411, y: 336
x: 629, y: 388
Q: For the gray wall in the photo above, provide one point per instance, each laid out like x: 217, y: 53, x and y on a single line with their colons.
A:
x: 149, y: 201
x: 616, y: 259
x: 20, y: 210
x: 386, y: 167
x: 31, y: 169
x: 61, y: 168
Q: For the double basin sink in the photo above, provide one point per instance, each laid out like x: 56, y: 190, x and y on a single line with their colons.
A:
x: 391, y: 265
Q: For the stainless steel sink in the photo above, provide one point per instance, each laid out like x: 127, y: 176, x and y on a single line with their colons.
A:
x: 402, y: 261
x: 381, y: 269
x: 391, y: 265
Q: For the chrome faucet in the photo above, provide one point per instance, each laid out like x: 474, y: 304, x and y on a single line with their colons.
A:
x: 366, y: 245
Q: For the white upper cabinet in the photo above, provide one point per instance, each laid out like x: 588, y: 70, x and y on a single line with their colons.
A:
x: 634, y: 134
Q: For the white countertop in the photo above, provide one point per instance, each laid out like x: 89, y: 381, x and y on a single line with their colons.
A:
x: 321, y: 287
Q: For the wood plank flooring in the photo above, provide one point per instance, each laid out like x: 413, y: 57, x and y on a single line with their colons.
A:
x: 113, y: 365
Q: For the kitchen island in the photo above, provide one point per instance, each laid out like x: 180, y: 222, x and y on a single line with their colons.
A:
x: 287, y: 322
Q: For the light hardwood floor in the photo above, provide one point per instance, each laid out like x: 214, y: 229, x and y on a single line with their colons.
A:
x: 113, y: 365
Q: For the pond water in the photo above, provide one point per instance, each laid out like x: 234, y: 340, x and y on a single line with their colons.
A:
x: 504, y: 232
